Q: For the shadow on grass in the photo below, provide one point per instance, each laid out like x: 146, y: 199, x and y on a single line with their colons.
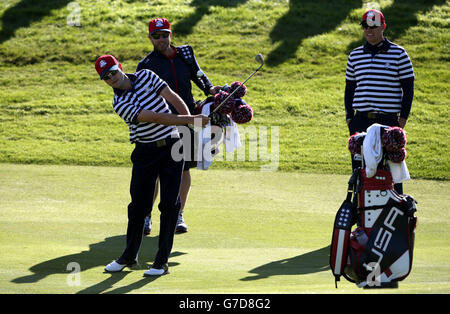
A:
x: 202, y: 8
x: 400, y: 16
x: 26, y: 12
x: 306, y: 18
x: 99, y: 254
x: 308, y: 263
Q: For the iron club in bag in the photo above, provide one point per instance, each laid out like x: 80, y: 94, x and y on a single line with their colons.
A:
x: 258, y: 58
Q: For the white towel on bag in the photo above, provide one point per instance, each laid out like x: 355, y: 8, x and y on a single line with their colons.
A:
x: 373, y: 152
x: 232, y: 140
x: 372, y: 149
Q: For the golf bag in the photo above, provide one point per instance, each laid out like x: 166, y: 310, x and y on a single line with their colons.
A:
x: 379, y: 251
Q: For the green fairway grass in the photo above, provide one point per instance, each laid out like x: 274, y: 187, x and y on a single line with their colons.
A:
x: 249, y: 232
x: 55, y: 110
x: 65, y: 155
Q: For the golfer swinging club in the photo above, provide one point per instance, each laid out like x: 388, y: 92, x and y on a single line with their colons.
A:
x: 140, y: 100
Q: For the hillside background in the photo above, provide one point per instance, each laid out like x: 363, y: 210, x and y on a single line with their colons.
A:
x: 55, y: 110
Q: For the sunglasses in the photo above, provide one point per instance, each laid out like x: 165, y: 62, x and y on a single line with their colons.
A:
x: 365, y: 26
x: 158, y: 36
x: 110, y: 74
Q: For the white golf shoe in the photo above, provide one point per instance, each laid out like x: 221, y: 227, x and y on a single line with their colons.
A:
x: 115, y: 267
x: 157, y: 270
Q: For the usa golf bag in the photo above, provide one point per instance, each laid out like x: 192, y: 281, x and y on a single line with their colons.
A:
x: 379, y: 251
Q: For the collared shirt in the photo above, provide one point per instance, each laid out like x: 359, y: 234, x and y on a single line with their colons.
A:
x: 178, y: 71
x: 144, y: 94
x: 378, y: 72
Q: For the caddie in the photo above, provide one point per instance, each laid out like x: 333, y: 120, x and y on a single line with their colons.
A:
x: 178, y: 67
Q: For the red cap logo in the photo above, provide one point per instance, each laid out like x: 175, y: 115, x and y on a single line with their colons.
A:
x: 106, y: 63
x: 160, y: 24
x: 373, y: 18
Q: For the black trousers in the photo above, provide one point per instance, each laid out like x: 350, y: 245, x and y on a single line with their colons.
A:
x: 149, y: 162
x: 361, y: 121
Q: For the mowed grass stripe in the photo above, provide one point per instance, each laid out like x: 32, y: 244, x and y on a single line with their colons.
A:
x: 250, y: 232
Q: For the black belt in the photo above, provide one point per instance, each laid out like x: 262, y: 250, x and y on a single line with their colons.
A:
x: 160, y: 143
x: 377, y: 114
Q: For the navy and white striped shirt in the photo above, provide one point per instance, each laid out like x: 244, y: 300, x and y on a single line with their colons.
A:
x: 144, y: 94
x: 377, y: 76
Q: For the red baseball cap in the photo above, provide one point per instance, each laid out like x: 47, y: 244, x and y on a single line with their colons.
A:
x: 373, y: 18
x: 159, y: 24
x: 106, y: 63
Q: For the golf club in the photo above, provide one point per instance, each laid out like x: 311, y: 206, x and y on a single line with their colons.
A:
x: 260, y: 59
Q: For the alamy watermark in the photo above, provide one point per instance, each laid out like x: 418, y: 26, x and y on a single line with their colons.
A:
x: 74, y: 17
x: 374, y: 277
x: 74, y: 277
x: 232, y: 143
x: 114, y: 6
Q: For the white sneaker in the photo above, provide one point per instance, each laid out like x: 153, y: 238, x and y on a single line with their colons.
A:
x: 157, y: 270
x: 181, y: 225
x: 115, y: 267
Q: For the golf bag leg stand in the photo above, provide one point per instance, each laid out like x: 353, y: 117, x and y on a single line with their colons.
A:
x: 345, y: 218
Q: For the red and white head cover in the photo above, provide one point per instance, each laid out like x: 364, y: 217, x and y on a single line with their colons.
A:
x: 354, y: 143
x: 242, y: 114
x: 242, y: 90
x: 228, y: 106
x: 394, y: 139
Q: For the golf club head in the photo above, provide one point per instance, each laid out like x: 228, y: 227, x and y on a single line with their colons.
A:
x: 259, y: 58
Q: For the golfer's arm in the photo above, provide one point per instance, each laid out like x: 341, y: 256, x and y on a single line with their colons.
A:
x: 164, y: 118
x: 350, y: 87
x: 175, y: 100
